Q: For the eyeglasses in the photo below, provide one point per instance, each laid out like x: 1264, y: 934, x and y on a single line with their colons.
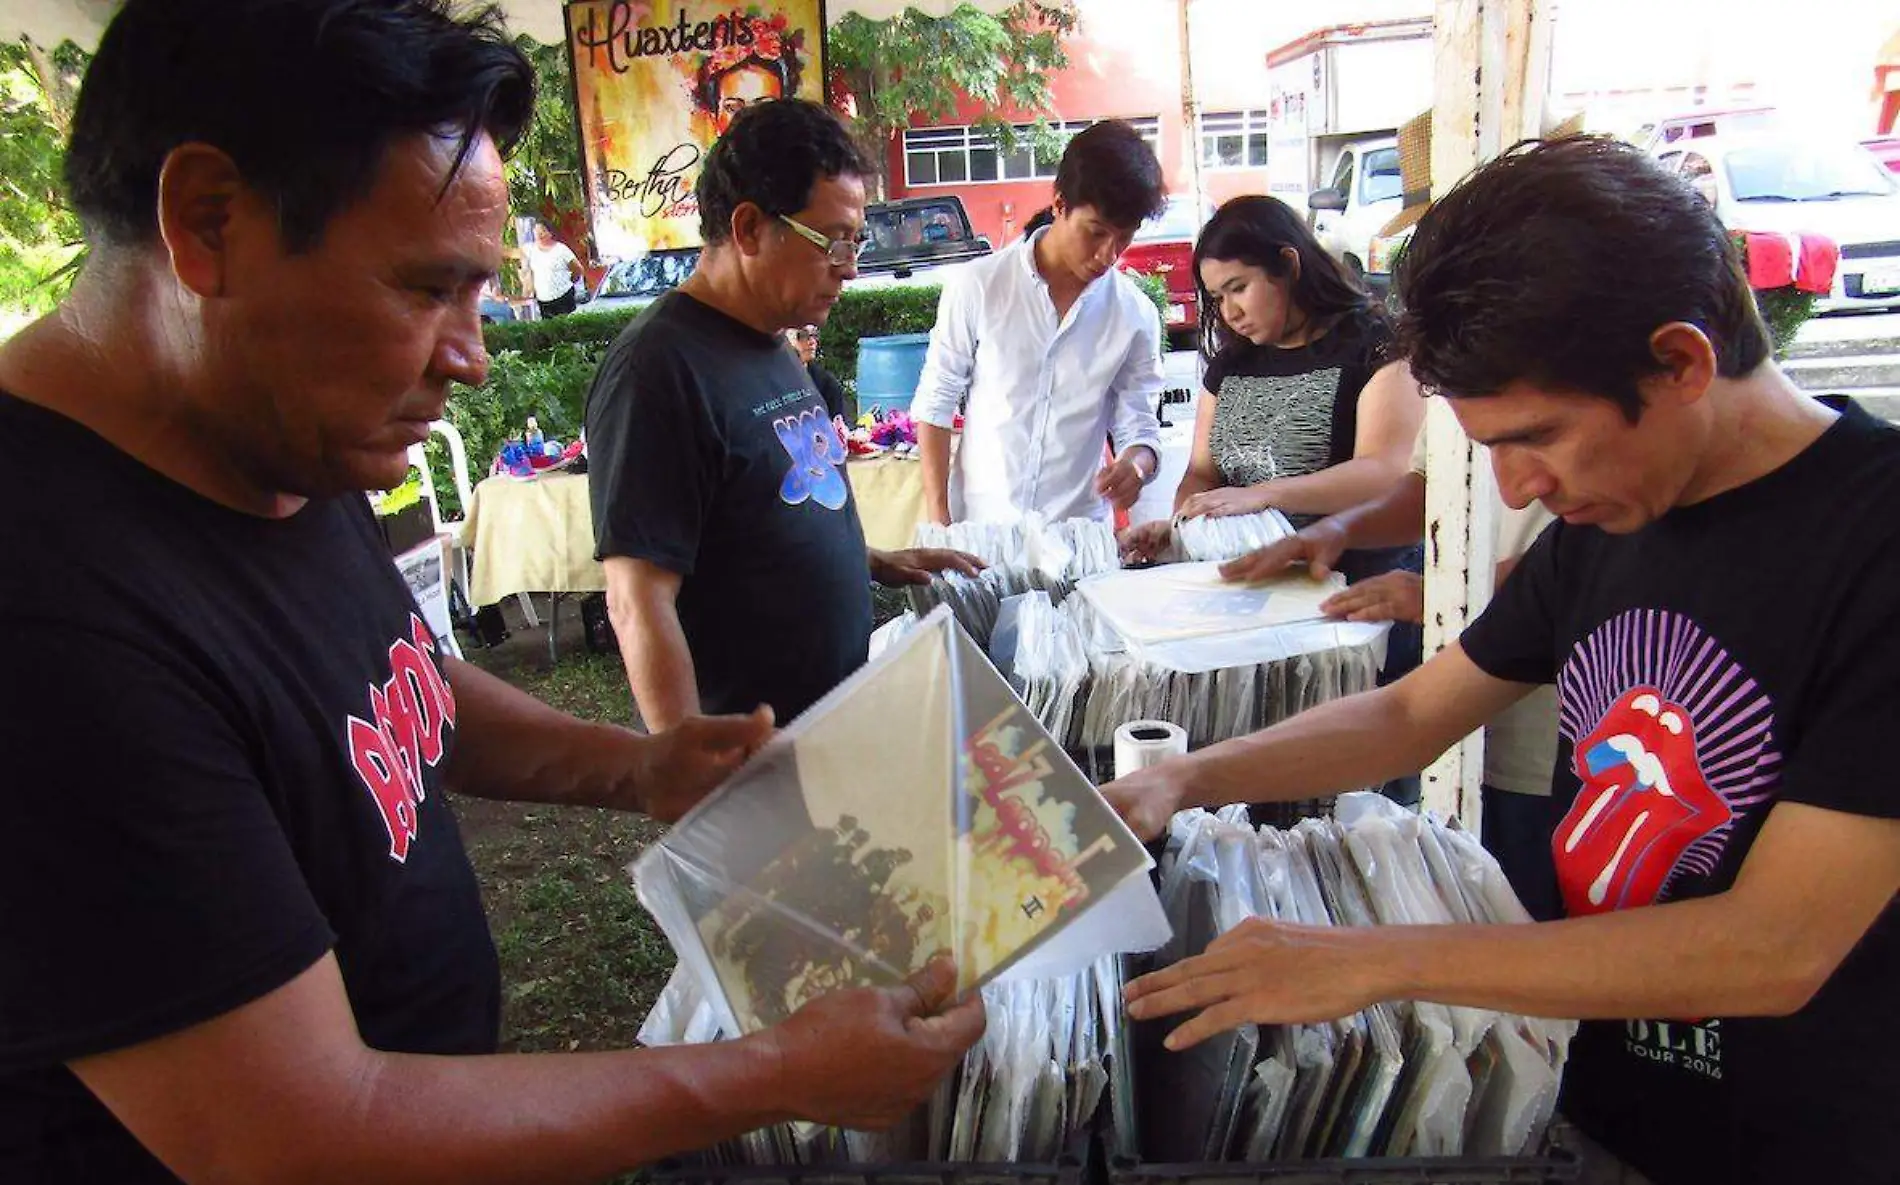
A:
x: 841, y: 252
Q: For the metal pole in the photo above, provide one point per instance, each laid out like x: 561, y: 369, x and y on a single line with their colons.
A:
x: 1493, y: 68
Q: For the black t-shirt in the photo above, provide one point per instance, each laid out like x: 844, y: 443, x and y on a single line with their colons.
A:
x: 1745, y: 649
x: 711, y: 454
x: 837, y: 400
x: 225, y: 737
x: 1291, y: 412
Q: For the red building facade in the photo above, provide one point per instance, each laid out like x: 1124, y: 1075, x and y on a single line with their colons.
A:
x: 1125, y: 62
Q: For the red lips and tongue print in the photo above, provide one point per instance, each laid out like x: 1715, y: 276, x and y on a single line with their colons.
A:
x: 1671, y: 742
x: 1643, y: 803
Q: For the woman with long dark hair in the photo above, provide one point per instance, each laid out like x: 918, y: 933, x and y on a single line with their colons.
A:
x: 1301, y: 407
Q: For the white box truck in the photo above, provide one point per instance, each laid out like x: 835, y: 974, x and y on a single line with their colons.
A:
x: 1336, y: 97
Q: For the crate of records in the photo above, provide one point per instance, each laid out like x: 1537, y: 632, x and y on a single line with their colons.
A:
x: 1403, y: 1091
x: 923, y: 807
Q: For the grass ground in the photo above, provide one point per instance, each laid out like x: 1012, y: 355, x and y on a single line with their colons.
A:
x: 581, y: 961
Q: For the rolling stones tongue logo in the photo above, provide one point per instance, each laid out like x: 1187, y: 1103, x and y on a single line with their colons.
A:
x: 1673, y: 743
x: 1643, y: 802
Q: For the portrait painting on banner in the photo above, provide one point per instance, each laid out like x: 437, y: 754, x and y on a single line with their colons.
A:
x: 656, y: 82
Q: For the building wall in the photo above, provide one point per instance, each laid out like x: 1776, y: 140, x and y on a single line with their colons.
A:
x: 1125, y: 62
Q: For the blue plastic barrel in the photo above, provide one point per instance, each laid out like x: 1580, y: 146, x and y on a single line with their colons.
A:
x: 888, y: 370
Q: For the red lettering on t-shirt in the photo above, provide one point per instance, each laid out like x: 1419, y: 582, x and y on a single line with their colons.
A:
x: 406, y: 734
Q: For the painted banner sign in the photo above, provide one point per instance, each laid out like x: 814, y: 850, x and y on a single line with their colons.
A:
x: 656, y: 82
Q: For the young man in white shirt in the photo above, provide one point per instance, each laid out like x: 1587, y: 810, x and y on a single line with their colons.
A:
x: 554, y: 270
x: 1056, y: 352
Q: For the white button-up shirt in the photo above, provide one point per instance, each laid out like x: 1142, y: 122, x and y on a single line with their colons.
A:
x: 1045, y: 394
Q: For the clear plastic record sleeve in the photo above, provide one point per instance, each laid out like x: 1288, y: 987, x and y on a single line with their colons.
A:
x: 919, y: 808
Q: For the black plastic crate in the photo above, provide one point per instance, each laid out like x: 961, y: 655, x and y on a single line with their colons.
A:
x: 1554, y: 1166
x: 1063, y: 1172
x: 1080, y: 1164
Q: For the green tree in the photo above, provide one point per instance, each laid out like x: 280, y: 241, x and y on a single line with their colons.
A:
x: 38, y: 231
x: 913, y: 65
x: 544, y: 174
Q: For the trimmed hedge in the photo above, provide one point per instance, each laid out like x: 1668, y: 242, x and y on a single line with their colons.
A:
x: 544, y: 368
x: 533, y: 337
x: 873, y: 312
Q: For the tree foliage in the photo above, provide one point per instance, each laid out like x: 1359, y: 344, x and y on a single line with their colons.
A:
x: 917, y: 66
x: 38, y: 230
x: 544, y: 174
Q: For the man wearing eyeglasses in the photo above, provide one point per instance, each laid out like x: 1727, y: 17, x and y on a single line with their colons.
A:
x: 737, y: 572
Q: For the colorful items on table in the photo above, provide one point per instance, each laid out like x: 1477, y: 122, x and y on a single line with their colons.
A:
x: 535, y: 454
x: 880, y: 432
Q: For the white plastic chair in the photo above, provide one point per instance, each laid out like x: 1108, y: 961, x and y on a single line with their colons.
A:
x: 457, y: 529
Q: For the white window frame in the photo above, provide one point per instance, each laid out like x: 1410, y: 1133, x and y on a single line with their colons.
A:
x: 1249, y: 125
x: 961, y: 141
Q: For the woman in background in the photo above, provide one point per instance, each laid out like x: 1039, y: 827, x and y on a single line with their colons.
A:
x: 1302, y: 408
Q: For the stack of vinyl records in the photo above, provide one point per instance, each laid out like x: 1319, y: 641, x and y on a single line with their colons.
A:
x: 1401, y: 1078
x: 1229, y: 537
x: 1025, y: 555
x: 1027, y: 1093
x: 1081, y: 682
x: 1053, y: 556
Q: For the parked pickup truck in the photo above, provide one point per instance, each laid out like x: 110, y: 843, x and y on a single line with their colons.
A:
x: 912, y: 236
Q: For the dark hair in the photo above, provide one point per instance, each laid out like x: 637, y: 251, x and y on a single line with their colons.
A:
x: 1256, y: 230
x: 771, y: 156
x: 786, y: 67
x: 305, y: 96
x: 1039, y: 219
x: 1554, y: 264
x: 1110, y: 168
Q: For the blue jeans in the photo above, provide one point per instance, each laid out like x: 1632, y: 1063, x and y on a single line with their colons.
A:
x: 1404, y: 646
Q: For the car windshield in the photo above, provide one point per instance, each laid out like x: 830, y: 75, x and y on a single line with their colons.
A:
x: 650, y: 275
x: 1175, y: 222
x: 1381, y: 179
x: 1804, y: 173
x: 907, y: 228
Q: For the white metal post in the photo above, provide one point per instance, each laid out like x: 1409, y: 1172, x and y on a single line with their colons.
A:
x: 1492, y: 72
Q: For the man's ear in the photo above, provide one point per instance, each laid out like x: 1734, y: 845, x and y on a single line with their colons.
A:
x: 1687, y: 359
x: 199, y: 188
x: 749, y: 224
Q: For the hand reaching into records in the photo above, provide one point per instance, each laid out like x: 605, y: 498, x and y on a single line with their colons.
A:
x: 1120, y: 482
x: 1394, y: 596
x: 1260, y: 972
x: 867, y: 1057
x: 1148, y: 798
x: 1227, y: 500
x: 916, y: 565
x: 1318, y: 546
x: 1144, y: 544
x: 682, y: 765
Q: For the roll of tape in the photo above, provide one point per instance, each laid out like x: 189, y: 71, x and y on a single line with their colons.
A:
x: 1142, y: 743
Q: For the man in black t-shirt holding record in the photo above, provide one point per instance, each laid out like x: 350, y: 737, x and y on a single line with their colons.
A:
x: 737, y: 573
x: 1719, y: 609
x: 239, y: 936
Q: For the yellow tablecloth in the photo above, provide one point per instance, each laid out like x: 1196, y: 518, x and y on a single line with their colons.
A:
x: 538, y: 535
x: 532, y: 536
x: 890, y: 500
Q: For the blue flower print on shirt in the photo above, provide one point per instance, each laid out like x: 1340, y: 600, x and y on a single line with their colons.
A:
x: 816, y: 454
